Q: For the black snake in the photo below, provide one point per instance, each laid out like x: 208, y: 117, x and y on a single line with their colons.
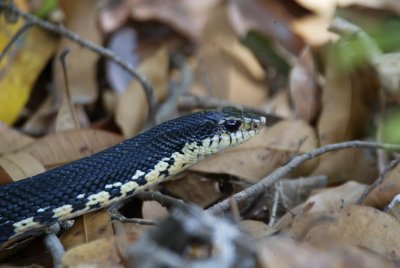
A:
x: 103, y: 178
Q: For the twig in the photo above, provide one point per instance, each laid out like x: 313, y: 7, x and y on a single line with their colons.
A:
x: 164, y: 200
x: 25, y: 27
x: 56, y: 249
x: 168, y: 109
x: 63, y: 55
x: 139, y: 221
x: 379, y: 180
x: 61, y: 30
x: 272, y: 178
x: 272, y: 215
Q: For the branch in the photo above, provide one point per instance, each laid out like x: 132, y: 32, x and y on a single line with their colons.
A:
x: 25, y: 27
x: 296, y: 161
x: 56, y: 249
x: 61, y: 30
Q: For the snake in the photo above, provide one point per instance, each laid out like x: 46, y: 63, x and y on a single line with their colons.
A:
x: 111, y: 175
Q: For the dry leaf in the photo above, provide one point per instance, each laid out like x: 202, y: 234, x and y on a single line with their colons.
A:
x: 285, y: 253
x: 267, y: 17
x: 132, y: 106
x: 213, y: 65
x: 262, y: 154
x: 381, y: 195
x: 325, y: 200
x: 99, y: 253
x: 64, y: 147
x: 152, y: 210
x: 89, y: 227
x: 21, y: 66
x: 123, y: 43
x: 295, y: 191
x: 81, y: 18
x: 194, y: 188
x: 348, y: 102
x: 21, y: 165
x: 304, y: 89
x: 12, y: 140
x: 360, y: 226
x: 185, y: 16
x: 256, y: 229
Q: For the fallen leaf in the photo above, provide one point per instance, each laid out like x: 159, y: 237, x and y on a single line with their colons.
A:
x: 21, y: 165
x: 262, y: 154
x: 384, y: 192
x: 88, y: 227
x: 194, y: 188
x: 123, y: 43
x: 325, y: 200
x: 81, y: 62
x: 98, y: 253
x: 304, y: 90
x: 132, y: 106
x: 63, y: 147
x: 268, y: 17
x: 359, y: 226
x: 295, y: 191
x: 21, y: 66
x: 152, y: 210
x: 348, y: 104
x: 12, y: 140
x: 256, y: 229
x: 285, y: 253
x: 185, y: 16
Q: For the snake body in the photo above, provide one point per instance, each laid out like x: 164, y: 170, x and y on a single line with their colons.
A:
x: 106, y: 177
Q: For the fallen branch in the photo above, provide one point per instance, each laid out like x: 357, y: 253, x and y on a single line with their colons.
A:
x: 296, y: 161
x: 61, y: 30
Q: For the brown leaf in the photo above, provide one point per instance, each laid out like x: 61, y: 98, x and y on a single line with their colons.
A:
x: 304, y: 89
x: 348, y: 102
x: 268, y: 17
x: 256, y: 229
x: 262, y: 154
x: 381, y: 195
x: 326, y: 200
x: 98, y: 253
x: 359, y: 226
x: 20, y: 165
x: 132, y: 106
x: 286, y: 253
x: 89, y: 227
x: 81, y: 17
x: 64, y: 147
x: 152, y: 210
x: 194, y: 188
x: 185, y: 16
x: 12, y: 140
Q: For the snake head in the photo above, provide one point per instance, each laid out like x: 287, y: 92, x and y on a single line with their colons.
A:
x: 233, y: 126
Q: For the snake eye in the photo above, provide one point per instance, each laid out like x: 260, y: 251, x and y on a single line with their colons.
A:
x: 232, y: 125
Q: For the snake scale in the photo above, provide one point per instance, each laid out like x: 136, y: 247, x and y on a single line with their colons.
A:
x: 111, y: 175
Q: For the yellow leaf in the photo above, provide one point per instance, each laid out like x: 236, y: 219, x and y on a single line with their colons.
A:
x: 21, y: 66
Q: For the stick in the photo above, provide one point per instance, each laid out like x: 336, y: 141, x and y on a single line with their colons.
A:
x: 296, y: 161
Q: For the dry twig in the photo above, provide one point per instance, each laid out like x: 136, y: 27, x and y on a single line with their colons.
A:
x: 296, y: 161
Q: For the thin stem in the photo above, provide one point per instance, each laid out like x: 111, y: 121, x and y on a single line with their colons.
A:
x: 22, y: 30
x: 296, y: 161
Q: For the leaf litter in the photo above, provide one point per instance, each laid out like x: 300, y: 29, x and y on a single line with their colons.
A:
x: 329, y: 80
